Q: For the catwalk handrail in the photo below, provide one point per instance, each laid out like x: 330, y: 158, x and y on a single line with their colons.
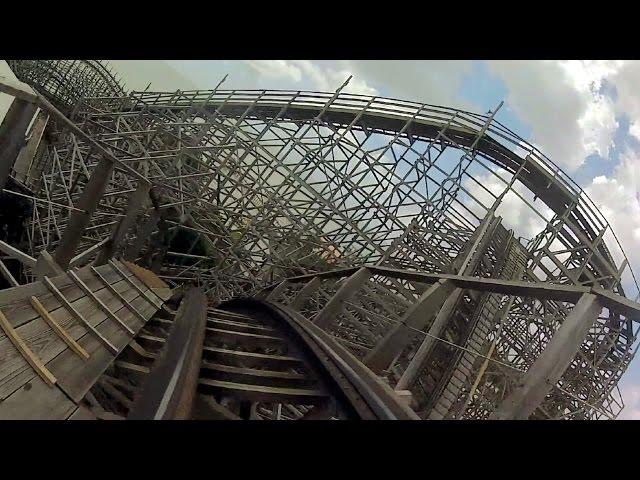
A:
x: 549, y: 291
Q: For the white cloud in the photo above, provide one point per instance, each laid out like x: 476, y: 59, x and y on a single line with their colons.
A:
x: 562, y: 103
x: 276, y: 68
x: 634, y: 129
x: 516, y: 214
x: 631, y: 395
x: 325, y: 78
x: 430, y: 81
x: 626, y: 79
x: 434, y: 82
x: 618, y: 200
x: 137, y: 74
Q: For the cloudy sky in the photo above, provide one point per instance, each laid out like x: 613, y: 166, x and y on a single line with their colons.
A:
x: 584, y: 115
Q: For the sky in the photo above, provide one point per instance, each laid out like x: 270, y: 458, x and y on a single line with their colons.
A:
x: 583, y: 115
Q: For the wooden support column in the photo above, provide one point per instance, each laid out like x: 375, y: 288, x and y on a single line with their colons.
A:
x: 436, y: 330
x: 305, y: 292
x: 416, y: 317
x: 12, y: 134
x: 552, y: 362
x: 28, y: 153
x: 470, y: 258
x: 79, y: 219
x: 334, y: 307
x: 276, y: 292
x: 467, y: 261
x: 142, y: 235
x: 135, y: 204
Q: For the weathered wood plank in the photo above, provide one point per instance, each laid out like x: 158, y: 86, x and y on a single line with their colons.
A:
x: 149, y: 279
x: 249, y: 359
x: 61, y: 332
x: 77, y: 377
x: 79, y: 317
x: 92, y: 295
x: 20, y: 311
x: 137, y: 284
x: 15, y: 371
x: 261, y: 393
x: 16, y: 294
x: 48, y: 333
x: 82, y: 413
x: 36, y: 401
x: 115, y: 293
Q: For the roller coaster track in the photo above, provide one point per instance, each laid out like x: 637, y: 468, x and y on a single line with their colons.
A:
x: 101, y: 343
x: 257, y: 360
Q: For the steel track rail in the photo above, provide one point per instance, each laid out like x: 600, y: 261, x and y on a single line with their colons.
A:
x: 355, y: 382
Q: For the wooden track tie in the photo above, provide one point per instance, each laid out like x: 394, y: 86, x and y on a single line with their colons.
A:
x: 61, y: 332
x: 26, y: 352
x: 117, y: 295
x: 91, y: 294
x: 77, y: 315
x: 141, y: 292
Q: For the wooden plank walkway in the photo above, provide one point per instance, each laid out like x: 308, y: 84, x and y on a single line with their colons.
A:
x: 113, y: 312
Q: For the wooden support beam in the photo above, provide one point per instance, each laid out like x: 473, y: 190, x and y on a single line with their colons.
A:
x: 276, y: 292
x: 435, y: 331
x: 551, y: 364
x: 79, y: 219
x: 12, y: 135
x: 136, y: 203
x: 7, y: 275
x: 17, y: 89
x: 305, y: 292
x: 13, y: 252
x: 24, y: 162
x: 466, y: 264
x: 417, y: 317
x: 541, y: 290
x: 347, y: 290
x: 565, y: 293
